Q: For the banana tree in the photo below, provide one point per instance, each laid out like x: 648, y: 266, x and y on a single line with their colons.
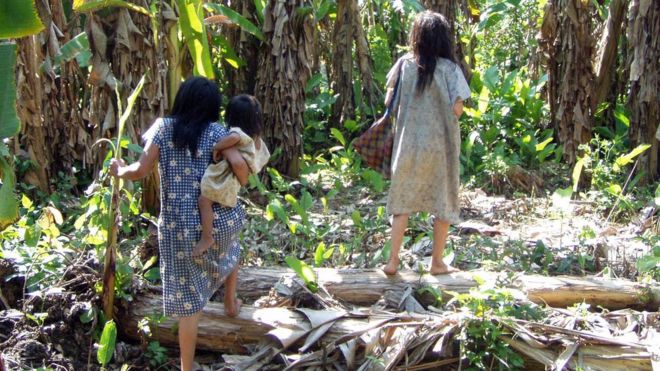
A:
x: 111, y: 247
x: 18, y: 18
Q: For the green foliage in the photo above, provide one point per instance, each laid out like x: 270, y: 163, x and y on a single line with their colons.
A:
x: 487, y: 307
x: 649, y: 264
x: 9, y: 126
x: 94, y: 5
x: 191, y: 22
x: 18, y: 18
x: 603, y: 163
x: 78, y: 48
x: 107, y: 343
x: 304, y: 271
x: 236, y: 18
x: 505, y: 128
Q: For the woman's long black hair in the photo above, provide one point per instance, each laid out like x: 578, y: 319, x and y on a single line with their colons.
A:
x: 430, y: 39
x: 244, y: 111
x: 196, y: 105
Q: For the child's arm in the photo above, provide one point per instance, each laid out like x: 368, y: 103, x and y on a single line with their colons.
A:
x: 223, y: 144
x: 238, y: 165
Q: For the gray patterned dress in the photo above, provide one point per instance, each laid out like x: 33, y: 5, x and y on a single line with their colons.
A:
x: 425, y: 157
x: 189, y: 283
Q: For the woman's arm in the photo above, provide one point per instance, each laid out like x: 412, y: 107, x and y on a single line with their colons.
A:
x: 238, y: 165
x: 139, y: 169
x: 458, y: 108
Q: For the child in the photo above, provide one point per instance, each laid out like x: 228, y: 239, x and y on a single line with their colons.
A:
x: 429, y: 100
x: 219, y: 184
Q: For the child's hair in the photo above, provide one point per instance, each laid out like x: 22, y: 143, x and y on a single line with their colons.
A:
x: 196, y: 106
x: 244, y: 111
x: 429, y: 40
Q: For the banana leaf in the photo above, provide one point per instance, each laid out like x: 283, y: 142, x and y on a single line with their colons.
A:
x: 18, y: 18
x: 191, y: 22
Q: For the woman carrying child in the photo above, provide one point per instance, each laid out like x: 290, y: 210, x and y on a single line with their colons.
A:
x: 182, y: 143
x: 425, y: 156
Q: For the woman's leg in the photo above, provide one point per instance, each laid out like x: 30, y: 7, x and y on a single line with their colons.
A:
x: 206, y: 215
x: 440, y: 232
x: 232, y: 304
x: 188, y: 340
x: 399, y: 225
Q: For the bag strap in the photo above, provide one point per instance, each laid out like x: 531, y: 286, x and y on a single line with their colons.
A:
x: 390, y: 107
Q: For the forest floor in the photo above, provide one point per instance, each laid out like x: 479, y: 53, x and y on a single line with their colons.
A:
x: 54, y: 330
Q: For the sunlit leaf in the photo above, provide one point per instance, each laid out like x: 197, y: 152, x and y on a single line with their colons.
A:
x: 9, y: 203
x: 484, y: 99
x: 9, y: 124
x: 237, y: 18
x: 577, y: 172
x: 19, y: 18
x: 628, y: 158
x: 94, y: 5
x: 107, y: 343
x: 338, y: 135
x: 319, y: 254
x: 77, y: 48
x: 304, y: 271
x: 191, y: 22
x: 322, y: 10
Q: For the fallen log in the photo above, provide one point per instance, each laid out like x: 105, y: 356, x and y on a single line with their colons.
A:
x: 367, y: 286
x: 253, y: 325
x: 359, y: 338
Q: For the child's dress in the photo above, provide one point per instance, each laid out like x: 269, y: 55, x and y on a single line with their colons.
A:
x: 219, y: 183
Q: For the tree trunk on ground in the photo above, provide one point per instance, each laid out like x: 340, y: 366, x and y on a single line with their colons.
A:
x: 398, y: 335
x: 342, y: 64
x: 366, y: 287
x: 643, y: 101
x: 566, y: 39
x: 242, y: 80
x: 284, y: 68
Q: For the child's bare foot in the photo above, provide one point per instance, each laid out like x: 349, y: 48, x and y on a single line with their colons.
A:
x: 442, y: 268
x: 391, y: 267
x: 204, y: 244
x: 233, y: 307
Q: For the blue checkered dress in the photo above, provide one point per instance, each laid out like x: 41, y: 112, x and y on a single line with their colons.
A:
x: 189, y: 283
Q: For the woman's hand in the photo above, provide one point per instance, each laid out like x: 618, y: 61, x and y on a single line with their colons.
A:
x: 115, y: 165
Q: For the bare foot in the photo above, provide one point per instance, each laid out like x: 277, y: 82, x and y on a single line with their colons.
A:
x: 437, y: 269
x: 204, y: 244
x: 391, y: 267
x: 233, y: 307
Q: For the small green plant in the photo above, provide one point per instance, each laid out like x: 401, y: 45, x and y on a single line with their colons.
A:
x: 487, y: 306
x: 106, y: 346
x: 304, y: 271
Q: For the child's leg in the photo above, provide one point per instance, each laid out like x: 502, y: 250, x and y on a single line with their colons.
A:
x: 440, y: 232
x: 399, y: 225
x: 232, y: 304
x: 206, y: 215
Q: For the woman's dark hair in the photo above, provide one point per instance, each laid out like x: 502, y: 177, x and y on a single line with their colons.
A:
x: 244, y: 112
x: 197, y: 104
x: 430, y: 39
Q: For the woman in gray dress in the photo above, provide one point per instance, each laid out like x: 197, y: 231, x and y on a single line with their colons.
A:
x: 425, y: 157
x: 182, y: 144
